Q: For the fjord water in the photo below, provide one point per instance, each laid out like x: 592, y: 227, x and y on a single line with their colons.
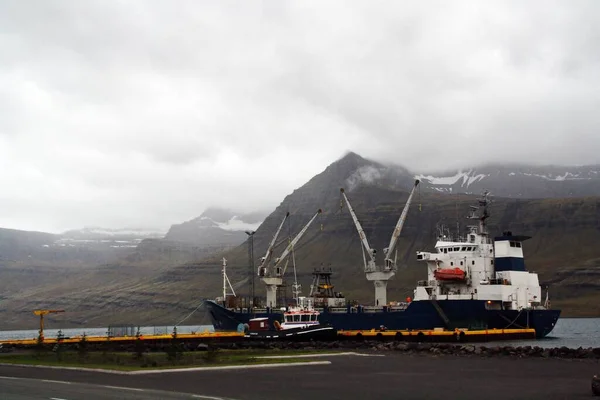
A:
x: 569, y: 332
x: 144, y: 330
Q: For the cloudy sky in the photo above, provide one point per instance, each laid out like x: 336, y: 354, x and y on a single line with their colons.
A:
x: 142, y: 113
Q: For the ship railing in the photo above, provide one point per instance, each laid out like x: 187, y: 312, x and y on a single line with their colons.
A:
x: 499, y: 281
x: 425, y: 283
x: 255, y: 310
x: 338, y: 310
x: 372, y: 309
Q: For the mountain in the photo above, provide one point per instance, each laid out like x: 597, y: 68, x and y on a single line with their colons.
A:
x: 215, y: 227
x: 16, y: 244
x: 512, y: 181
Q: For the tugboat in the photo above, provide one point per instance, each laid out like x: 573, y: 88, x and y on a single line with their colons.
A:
x: 475, y: 282
x: 299, y: 323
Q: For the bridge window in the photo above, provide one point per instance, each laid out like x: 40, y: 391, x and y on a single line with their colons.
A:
x: 445, y: 250
x: 473, y: 262
x: 519, y: 244
x: 461, y: 263
x: 457, y: 249
x: 463, y: 249
x: 451, y: 263
x: 449, y: 249
x: 513, y: 244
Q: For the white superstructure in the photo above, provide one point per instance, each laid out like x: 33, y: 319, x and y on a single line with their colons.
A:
x: 480, y: 268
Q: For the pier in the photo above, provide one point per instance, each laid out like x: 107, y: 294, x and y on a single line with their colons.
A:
x: 440, y: 336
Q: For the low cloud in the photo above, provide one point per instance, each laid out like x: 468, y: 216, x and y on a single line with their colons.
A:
x: 124, y: 114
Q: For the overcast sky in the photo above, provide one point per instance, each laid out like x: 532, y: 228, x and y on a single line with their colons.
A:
x: 143, y: 113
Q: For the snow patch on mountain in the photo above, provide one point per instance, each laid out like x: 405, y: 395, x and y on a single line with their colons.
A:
x: 95, y: 232
x: 568, y: 176
x: 468, y: 178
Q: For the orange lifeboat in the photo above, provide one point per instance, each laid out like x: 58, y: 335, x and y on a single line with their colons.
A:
x: 449, y: 274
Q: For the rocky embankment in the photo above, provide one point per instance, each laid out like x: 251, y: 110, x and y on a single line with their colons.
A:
x: 427, y: 348
x: 410, y: 348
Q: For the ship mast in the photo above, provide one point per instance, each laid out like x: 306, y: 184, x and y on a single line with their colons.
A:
x: 226, y: 282
x: 483, y: 205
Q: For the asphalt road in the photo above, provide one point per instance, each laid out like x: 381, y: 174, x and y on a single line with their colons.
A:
x: 347, y: 377
x: 38, y: 389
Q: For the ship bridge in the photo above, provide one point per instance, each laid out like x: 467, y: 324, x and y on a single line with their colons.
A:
x: 508, y: 251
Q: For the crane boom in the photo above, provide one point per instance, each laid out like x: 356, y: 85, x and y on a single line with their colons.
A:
x: 290, y: 246
x: 361, y: 232
x: 265, y: 260
x: 394, y: 240
x: 45, y: 312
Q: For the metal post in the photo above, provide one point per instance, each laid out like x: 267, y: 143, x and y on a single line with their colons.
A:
x: 251, y: 271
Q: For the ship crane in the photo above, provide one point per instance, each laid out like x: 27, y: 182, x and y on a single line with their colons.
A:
x: 264, y: 261
x: 381, y: 275
x: 273, y: 277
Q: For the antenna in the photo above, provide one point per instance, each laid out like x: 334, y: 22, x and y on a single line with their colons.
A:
x: 226, y: 282
x: 457, y: 219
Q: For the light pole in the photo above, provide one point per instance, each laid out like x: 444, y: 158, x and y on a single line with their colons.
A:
x: 251, y: 265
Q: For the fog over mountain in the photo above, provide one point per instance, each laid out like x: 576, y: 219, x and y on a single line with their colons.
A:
x: 127, y: 114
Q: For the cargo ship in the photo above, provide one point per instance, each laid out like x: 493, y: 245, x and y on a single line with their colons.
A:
x: 473, y: 282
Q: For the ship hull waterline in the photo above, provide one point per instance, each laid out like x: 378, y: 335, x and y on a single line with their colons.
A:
x: 419, y: 315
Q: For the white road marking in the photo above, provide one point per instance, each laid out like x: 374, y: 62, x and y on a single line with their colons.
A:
x: 227, y: 367
x: 196, y: 396
x: 123, y: 388
x: 348, y: 353
x: 185, y: 369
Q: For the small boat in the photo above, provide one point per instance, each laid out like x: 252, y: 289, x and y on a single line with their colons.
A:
x: 298, y: 324
x: 449, y: 274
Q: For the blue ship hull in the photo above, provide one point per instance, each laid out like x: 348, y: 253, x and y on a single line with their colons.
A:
x: 419, y: 315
